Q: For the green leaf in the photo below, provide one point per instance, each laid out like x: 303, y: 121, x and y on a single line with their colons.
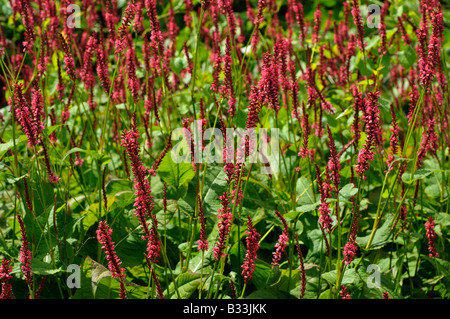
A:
x: 175, y: 174
x: 304, y: 191
x: 347, y: 192
x: 43, y: 268
x: 262, y: 275
x: 98, y: 271
x: 307, y: 207
x: 382, y: 236
x: 215, y: 185
x: 419, y: 174
x: 350, y: 277
x: 268, y: 293
x: 4, y: 147
x: 49, y: 130
x: 13, y: 180
x: 407, y: 58
x: 187, y: 283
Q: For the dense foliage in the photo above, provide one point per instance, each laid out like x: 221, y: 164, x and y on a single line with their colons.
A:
x: 95, y: 204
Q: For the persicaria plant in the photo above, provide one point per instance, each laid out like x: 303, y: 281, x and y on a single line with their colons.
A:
x: 221, y: 149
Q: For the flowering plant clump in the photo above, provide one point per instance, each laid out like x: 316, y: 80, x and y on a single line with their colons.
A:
x: 221, y: 149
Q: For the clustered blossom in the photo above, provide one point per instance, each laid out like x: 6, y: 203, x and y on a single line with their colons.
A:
x: 133, y: 82
x: 359, y: 23
x: 25, y: 255
x: 252, y: 247
x: 28, y: 21
x: 304, y: 149
x: 68, y: 58
x: 5, y: 271
x: 371, y: 117
x: 102, y: 67
x: 269, y: 82
x: 393, y: 141
x: 431, y: 235
x: 428, y: 142
x: 29, y: 117
x: 334, y: 165
x: 358, y: 105
x: 156, y: 34
x: 130, y: 12
x: 351, y: 246
x: 44, y: 59
x: 227, y: 88
x: 282, y: 240
x: 104, y: 237
x: 143, y: 202
x: 325, y: 219
x: 344, y: 293
x: 202, y: 242
x: 429, y: 62
x: 317, y: 24
x: 86, y: 73
x: 224, y: 225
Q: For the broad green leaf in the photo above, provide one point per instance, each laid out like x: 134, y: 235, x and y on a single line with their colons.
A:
x: 187, y: 283
x: 419, y: 174
x: 175, y: 174
x: 382, y: 236
x: 43, y: 268
x: 4, y: 147
x: 304, y: 191
x: 98, y: 271
x: 268, y: 293
x: 350, y: 277
x: 407, y: 58
x: 214, y: 186
x: 13, y: 180
x: 49, y: 130
x: 348, y: 191
x: 263, y: 274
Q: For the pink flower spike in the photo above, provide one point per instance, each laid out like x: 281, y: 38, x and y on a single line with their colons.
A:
x: 252, y: 247
x: 282, y: 240
x: 224, y: 215
x: 25, y: 254
x: 431, y: 235
x: 104, y: 237
x: 5, y: 276
x: 202, y: 242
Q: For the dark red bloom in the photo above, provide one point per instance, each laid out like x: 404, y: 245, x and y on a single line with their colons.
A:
x: 104, y: 237
x: 143, y: 202
x: 224, y: 224
x: 5, y: 276
x: 282, y: 240
x: 431, y: 235
x: 29, y: 117
x: 202, y: 242
x: 68, y: 58
x: 25, y: 255
x: 357, y: 19
x: 344, y: 294
x: 252, y: 247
